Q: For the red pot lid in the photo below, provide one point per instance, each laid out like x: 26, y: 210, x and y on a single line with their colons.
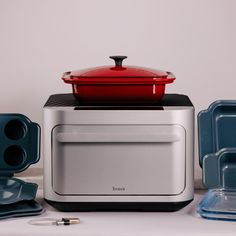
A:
x: 118, y: 74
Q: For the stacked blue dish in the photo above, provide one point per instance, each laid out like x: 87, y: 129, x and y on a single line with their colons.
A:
x: 217, y: 157
x: 19, y: 148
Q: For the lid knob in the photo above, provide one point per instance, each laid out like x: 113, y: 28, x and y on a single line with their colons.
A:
x: 118, y: 59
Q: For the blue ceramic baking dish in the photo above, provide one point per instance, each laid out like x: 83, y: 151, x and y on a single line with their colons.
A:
x: 217, y: 127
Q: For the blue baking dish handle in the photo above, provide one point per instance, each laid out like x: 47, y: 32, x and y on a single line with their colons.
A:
x: 210, y: 172
x: 219, y: 169
x: 205, y: 139
x: 35, y: 143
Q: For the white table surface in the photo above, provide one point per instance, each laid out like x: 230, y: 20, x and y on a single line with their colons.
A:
x: 183, y: 222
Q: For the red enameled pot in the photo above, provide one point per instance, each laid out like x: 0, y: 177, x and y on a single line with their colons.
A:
x: 118, y: 84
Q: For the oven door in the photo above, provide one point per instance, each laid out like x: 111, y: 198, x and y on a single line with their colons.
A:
x: 118, y: 159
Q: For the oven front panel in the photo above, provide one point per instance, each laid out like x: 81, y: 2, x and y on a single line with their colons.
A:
x: 118, y: 159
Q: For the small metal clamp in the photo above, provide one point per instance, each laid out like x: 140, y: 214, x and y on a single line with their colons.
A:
x: 68, y: 221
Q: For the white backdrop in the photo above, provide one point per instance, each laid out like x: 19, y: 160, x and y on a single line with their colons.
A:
x: 39, y: 40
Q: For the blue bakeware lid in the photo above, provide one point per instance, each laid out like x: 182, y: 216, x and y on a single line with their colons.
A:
x: 218, y: 205
x: 19, y: 143
x: 14, y: 190
x: 217, y: 128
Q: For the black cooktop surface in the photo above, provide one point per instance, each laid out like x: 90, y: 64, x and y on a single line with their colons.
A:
x: 68, y: 100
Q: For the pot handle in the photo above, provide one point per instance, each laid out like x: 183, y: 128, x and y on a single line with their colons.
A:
x: 170, y: 75
x: 118, y: 59
x: 67, y: 77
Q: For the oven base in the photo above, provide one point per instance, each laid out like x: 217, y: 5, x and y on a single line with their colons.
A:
x: 119, y: 206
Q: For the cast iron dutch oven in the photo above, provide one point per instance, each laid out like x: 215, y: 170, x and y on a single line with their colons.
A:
x: 118, y: 84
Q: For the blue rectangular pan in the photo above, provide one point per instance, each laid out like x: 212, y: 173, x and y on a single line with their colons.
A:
x: 217, y: 128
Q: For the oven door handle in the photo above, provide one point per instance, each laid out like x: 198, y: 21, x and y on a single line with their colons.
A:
x: 74, y: 137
